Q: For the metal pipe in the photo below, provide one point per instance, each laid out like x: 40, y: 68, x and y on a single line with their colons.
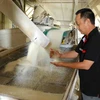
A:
x: 11, y: 10
x: 44, y: 2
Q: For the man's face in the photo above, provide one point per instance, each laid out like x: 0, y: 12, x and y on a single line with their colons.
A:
x: 81, y: 24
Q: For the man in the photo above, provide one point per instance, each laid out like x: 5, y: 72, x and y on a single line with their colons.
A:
x: 88, y: 51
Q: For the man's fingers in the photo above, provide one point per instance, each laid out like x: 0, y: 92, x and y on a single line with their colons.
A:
x: 54, y: 63
x: 52, y: 52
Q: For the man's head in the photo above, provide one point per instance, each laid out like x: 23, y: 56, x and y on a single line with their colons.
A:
x: 85, y: 20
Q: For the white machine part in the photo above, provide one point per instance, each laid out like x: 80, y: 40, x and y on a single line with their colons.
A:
x: 11, y: 10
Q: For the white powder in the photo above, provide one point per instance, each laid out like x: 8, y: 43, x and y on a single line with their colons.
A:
x: 36, y: 72
x: 33, y: 53
x: 31, y: 69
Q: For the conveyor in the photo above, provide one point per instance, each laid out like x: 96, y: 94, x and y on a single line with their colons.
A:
x: 55, y: 85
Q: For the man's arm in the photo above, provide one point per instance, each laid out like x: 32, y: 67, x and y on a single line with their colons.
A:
x: 69, y: 54
x: 86, y: 64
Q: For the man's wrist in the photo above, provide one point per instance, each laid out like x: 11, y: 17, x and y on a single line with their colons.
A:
x: 60, y: 55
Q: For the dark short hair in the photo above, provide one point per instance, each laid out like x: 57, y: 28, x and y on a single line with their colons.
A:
x: 87, y: 13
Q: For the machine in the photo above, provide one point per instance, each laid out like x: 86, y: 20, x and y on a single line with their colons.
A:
x: 45, y: 83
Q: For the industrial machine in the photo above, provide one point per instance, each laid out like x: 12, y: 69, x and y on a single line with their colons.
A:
x: 24, y: 24
x: 24, y: 82
x: 44, y: 83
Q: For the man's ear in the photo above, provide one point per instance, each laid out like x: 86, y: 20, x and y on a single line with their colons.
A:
x: 88, y: 21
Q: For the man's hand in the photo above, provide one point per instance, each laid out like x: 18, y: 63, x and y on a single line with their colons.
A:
x: 54, y: 53
x: 60, y: 64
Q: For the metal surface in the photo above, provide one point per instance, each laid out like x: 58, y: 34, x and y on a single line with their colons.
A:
x: 56, y: 83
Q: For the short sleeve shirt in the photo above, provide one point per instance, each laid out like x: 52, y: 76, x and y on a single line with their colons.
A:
x: 89, y: 49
